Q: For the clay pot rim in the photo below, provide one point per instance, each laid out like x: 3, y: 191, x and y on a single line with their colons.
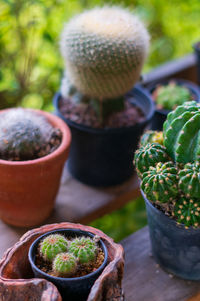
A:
x: 65, y: 143
x: 101, y: 267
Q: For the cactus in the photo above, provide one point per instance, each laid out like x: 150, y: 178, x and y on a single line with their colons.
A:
x: 189, y: 179
x: 149, y: 155
x: 151, y: 137
x: 187, y: 212
x: 170, y: 96
x: 182, y: 133
x: 104, y: 50
x: 24, y: 135
x: 84, y: 248
x: 65, y: 265
x: 160, y: 183
x: 52, y: 245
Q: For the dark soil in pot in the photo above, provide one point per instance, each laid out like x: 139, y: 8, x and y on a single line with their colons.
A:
x: 103, y: 156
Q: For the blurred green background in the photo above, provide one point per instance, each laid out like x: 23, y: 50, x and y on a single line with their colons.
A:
x: 31, y: 66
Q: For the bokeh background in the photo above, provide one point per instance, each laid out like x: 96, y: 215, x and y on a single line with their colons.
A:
x: 31, y: 66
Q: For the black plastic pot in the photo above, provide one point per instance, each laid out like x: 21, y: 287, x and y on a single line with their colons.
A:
x: 103, y: 157
x: 197, y: 53
x: 161, y: 115
x: 176, y: 249
x: 73, y: 289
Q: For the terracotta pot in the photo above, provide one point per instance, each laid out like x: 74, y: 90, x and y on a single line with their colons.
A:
x: 15, y: 270
x: 28, y: 188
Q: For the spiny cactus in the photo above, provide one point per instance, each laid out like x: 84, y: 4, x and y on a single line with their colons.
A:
x: 104, y: 50
x: 182, y: 133
x: 189, y: 179
x: 160, y: 183
x: 84, y: 248
x: 65, y: 264
x: 151, y: 137
x: 187, y: 211
x: 52, y: 245
x: 24, y: 135
x: 171, y: 95
x: 149, y: 155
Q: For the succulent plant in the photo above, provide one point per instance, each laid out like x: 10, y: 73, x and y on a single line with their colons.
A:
x: 189, y: 179
x: 160, y: 183
x: 84, y: 248
x: 171, y: 95
x: 65, y: 264
x: 182, y: 133
x: 151, y: 137
x: 52, y: 245
x: 149, y: 155
x: 187, y: 211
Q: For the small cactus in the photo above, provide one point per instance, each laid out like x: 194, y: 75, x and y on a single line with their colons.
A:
x: 160, y: 183
x: 65, y: 264
x: 189, y: 179
x: 170, y: 96
x: 149, y: 155
x: 52, y: 245
x: 84, y: 248
x: 151, y: 137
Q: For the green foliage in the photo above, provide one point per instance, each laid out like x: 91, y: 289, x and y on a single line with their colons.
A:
x: 189, y: 179
x: 52, y: 245
x: 84, y: 248
x: 65, y: 265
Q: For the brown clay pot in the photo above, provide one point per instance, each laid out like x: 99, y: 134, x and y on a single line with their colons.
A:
x: 15, y: 270
x: 28, y: 188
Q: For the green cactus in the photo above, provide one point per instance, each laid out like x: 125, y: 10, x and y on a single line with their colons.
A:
x: 182, y: 133
x: 151, y: 137
x: 104, y: 50
x: 170, y: 96
x: 52, y: 245
x: 189, y: 179
x: 65, y: 265
x: 24, y: 135
x: 84, y: 248
x: 149, y: 155
x: 160, y: 183
x: 187, y: 211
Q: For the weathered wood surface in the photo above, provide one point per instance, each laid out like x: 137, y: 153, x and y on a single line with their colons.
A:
x: 144, y: 280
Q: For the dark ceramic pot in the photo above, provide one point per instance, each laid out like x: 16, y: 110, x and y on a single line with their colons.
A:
x: 73, y: 289
x: 103, y: 157
x: 175, y: 249
x: 161, y: 114
x: 197, y: 53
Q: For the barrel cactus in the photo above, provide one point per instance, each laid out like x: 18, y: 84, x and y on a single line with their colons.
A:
x: 160, y: 183
x: 52, y: 245
x: 189, y: 179
x: 65, y: 265
x: 148, y: 156
x: 84, y: 248
x: 151, y: 137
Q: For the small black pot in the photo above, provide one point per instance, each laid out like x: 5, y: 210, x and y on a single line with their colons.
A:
x: 73, y: 289
x: 103, y: 157
x: 197, y: 53
x: 161, y: 114
x: 176, y: 249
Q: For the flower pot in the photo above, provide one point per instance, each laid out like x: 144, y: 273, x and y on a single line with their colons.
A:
x: 161, y: 114
x: 16, y: 276
x: 197, y: 53
x: 175, y: 248
x: 74, y: 289
x: 28, y: 188
x: 103, y: 157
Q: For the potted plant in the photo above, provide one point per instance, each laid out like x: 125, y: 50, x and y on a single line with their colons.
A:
x: 34, y: 146
x: 168, y: 94
x: 170, y: 184
x: 196, y: 47
x: 104, y: 50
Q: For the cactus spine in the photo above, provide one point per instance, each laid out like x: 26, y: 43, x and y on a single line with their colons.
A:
x: 52, y: 245
x: 65, y: 264
x: 84, y: 249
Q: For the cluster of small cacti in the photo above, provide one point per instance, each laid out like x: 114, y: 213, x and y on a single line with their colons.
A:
x: 66, y: 255
x: 171, y: 95
x: 170, y: 173
x: 151, y: 137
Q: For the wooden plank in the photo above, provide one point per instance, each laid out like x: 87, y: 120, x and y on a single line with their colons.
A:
x: 144, y: 280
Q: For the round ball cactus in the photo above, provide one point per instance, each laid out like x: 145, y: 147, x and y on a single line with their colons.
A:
x: 160, y: 183
x: 52, y: 245
x: 84, y: 248
x: 104, y: 50
x: 151, y: 137
x: 189, y: 179
x: 65, y: 265
x: 149, y: 155
x: 187, y: 212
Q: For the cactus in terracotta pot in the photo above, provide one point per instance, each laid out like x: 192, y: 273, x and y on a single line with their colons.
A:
x: 84, y: 248
x: 65, y: 265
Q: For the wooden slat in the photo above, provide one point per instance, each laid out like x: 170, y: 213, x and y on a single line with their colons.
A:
x: 144, y: 280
